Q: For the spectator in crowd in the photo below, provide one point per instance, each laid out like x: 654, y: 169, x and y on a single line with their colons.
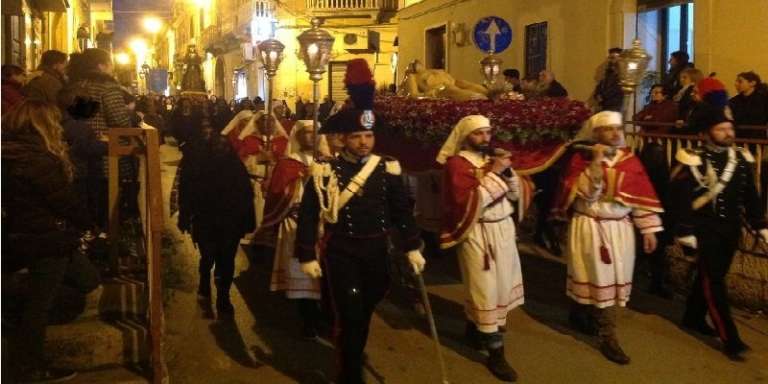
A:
x: 324, y: 110
x: 750, y: 106
x: 660, y: 109
x: 152, y: 117
x: 76, y: 68
x: 50, y: 78
x: 246, y: 103
x: 42, y: 222
x: 221, y: 115
x: 130, y: 103
x: 12, y: 83
x: 216, y: 207
x: 678, y: 61
x: 549, y: 87
x: 99, y: 85
x: 512, y: 78
x: 86, y: 149
x: 608, y: 95
x: 258, y: 104
x: 300, y: 112
x: 186, y: 122
x: 684, y: 97
x: 529, y: 86
x: 281, y: 110
x: 232, y: 105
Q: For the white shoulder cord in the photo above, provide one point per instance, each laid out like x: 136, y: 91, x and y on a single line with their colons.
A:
x: 711, y: 182
x: 329, y: 206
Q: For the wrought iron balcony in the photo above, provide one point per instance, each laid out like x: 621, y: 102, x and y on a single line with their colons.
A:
x: 352, y: 5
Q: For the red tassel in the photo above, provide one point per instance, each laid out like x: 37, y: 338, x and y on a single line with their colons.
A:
x: 605, y: 256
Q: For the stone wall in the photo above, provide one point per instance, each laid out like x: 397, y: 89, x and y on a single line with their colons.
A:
x: 747, y: 279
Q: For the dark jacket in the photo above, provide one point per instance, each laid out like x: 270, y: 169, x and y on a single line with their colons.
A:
x: 186, y: 128
x: 750, y: 110
x: 85, y: 149
x: 215, y: 192
x: 11, y: 94
x: 608, y: 91
x: 555, y: 89
x: 686, y: 104
x: 42, y: 215
x: 46, y: 86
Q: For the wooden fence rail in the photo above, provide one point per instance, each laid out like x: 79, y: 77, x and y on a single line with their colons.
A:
x: 142, y: 143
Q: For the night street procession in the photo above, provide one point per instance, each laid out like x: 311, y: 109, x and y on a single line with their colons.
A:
x: 384, y: 191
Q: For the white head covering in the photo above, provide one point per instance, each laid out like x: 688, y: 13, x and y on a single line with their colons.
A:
x: 600, y: 119
x: 293, y: 143
x: 250, y: 128
x: 463, y: 128
x: 242, y: 115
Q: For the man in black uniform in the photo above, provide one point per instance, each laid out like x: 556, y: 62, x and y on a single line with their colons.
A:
x: 357, y: 198
x: 713, y: 188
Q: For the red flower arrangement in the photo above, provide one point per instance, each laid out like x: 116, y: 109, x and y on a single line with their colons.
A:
x: 531, y: 129
x: 517, y: 122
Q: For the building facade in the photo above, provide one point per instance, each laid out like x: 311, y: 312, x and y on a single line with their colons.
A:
x: 227, y: 33
x: 30, y: 28
x: 572, y: 38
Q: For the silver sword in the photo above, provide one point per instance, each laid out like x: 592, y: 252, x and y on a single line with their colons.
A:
x: 432, y: 327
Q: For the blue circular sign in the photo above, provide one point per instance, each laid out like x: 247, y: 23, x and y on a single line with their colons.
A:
x: 492, y: 34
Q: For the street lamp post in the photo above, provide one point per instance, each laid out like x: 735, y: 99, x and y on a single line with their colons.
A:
x: 315, y: 49
x: 271, y: 52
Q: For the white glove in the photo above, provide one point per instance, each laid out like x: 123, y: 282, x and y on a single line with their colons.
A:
x: 688, y: 241
x: 312, y: 269
x: 417, y: 261
x: 764, y: 234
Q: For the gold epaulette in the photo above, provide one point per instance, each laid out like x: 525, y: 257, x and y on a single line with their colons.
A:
x: 746, y: 154
x: 691, y: 157
x: 392, y: 166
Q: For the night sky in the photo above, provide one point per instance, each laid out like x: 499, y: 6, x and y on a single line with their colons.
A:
x: 128, y: 15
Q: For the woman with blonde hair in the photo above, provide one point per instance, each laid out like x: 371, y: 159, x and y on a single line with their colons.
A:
x: 684, y: 98
x: 42, y: 222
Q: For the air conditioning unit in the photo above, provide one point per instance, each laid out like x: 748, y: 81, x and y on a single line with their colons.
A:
x: 365, y: 41
x: 249, y: 52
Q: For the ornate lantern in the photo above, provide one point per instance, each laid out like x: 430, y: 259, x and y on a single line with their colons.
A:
x: 491, y: 66
x: 632, y: 65
x: 271, y: 52
x: 315, y: 50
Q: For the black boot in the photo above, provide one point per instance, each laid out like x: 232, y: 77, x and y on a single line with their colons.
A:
x: 223, y: 305
x: 581, y: 320
x: 309, y: 312
x: 204, y: 287
x: 498, y: 365
x: 612, y: 351
x: 699, y: 326
x: 472, y: 336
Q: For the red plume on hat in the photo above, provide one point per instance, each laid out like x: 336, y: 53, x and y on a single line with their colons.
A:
x: 360, y: 83
x: 712, y: 91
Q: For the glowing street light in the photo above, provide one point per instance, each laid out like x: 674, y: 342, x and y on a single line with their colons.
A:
x: 122, y: 58
x: 202, y: 3
x: 138, y: 46
x: 152, y: 24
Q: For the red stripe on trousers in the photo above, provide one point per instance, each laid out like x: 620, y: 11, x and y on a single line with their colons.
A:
x: 712, y: 307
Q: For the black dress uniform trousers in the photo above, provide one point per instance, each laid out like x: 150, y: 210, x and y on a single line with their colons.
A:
x: 716, y: 245
x: 358, y: 276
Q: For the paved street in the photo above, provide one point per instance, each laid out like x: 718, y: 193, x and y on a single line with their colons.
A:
x: 262, y: 345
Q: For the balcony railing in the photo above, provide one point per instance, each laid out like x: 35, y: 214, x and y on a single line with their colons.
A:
x: 331, y: 5
x: 210, y: 35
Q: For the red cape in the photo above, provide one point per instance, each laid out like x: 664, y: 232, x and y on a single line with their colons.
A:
x: 461, y: 199
x: 252, y: 145
x: 625, y: 183
x: 285, y: 183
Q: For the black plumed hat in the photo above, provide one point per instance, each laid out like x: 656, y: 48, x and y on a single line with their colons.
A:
x: 358, y: 116
x: 706, y: 116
